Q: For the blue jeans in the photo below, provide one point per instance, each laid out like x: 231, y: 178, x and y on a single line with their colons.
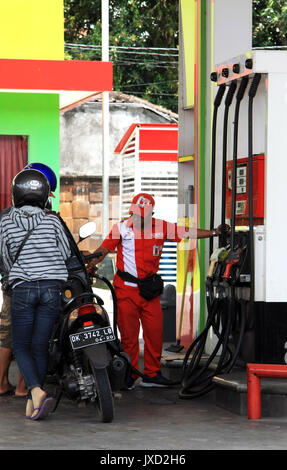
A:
x: 34, y: 308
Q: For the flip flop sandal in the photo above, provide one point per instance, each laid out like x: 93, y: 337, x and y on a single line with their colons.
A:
x: 43, y: 410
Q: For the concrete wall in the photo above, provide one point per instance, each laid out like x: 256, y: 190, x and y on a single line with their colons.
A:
x: 81, y: 135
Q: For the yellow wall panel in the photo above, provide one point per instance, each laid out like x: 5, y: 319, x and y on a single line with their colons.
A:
x: 188, y: 28
x: 32, y: 29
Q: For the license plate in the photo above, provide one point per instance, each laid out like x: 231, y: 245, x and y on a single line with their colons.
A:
x: 91, y: 336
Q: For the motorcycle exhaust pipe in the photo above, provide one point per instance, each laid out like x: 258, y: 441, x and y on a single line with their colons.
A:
x: 117, y: 371
x: 118, y: 364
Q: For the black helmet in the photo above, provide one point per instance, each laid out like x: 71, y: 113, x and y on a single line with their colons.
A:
x: 30, y: 187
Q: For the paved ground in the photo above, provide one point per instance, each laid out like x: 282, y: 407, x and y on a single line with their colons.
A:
x: 145, y: 419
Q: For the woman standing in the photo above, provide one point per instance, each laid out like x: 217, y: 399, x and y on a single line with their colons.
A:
x: 34, y: 248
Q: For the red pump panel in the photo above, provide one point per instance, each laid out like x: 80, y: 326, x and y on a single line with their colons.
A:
x: 242, y: 206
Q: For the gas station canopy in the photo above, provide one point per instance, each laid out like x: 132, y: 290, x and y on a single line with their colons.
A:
x: 73, y: 80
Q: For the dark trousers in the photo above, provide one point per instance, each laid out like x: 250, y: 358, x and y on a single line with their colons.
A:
x: 34, y: 308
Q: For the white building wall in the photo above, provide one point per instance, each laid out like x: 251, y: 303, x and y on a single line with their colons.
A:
x: 81, y: 135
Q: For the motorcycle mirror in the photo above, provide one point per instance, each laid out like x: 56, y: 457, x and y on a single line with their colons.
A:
x: 87, y: 230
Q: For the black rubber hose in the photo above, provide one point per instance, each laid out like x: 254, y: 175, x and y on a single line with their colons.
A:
x: 199, y: 382
x: 228, y: 102
x: 196, y: 383
x: 239, y: 97
x: 217, y: 103
x: 196, y: 379
x: 188, y: 369
x: 243, y: 305
x: 199, y: 344
x: 227, y: 330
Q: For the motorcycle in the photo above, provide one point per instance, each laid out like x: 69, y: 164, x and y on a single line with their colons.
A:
x: 85, y: 355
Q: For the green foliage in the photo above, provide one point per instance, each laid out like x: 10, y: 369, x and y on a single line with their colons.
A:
x: 269, y: 23
x: 146, y: 73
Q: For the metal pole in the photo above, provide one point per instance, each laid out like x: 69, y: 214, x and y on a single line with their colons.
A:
x: 105, y: 122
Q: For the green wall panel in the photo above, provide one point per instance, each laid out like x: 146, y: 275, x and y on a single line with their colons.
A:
x: 37, y: 116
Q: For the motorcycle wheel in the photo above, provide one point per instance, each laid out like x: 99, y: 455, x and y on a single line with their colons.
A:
x: 104, y: 401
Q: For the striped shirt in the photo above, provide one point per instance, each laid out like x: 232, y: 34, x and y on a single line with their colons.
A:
x: 43, y: 254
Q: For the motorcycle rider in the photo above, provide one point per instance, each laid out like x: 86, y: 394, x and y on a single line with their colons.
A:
x: 35, y: 280
x: 139, y: 241
x: 5, y: 325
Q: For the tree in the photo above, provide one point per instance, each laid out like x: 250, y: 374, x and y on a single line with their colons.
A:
x: 137, y: 27
x: 269, y: 23
x: 143, y: 40
x: 143, y: 44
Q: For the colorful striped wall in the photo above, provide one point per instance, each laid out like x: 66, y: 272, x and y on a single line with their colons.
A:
x: 33, y: 29
x: 191, y: 266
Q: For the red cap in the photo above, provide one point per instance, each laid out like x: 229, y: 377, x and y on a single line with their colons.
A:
x: 142, y: 204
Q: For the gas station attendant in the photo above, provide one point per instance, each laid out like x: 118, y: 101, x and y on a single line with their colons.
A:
x: 139, y: 241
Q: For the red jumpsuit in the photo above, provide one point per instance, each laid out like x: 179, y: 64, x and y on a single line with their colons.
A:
x: 138, y: 253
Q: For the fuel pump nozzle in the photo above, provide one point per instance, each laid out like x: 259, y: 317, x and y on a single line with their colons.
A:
x: 220, y: 267
x: 212, y: 267
x: 233, y: 257
x: 213, y: 260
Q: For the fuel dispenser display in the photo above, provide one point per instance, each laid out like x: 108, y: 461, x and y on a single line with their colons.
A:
x: 242, y: 190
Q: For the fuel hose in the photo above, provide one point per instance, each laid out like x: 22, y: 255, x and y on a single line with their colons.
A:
x: 197, y: 376
x: 239, y: 97
x: 228, y: 101
x: 232, y: 307
x: 217, y: 103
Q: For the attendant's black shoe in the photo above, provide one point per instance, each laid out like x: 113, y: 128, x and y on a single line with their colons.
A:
x: 157, y: 381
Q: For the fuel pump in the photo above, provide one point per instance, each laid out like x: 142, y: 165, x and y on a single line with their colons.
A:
x: 231, y: 270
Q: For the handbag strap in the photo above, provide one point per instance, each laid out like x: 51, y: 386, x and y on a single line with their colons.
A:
x: 22, y: 244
